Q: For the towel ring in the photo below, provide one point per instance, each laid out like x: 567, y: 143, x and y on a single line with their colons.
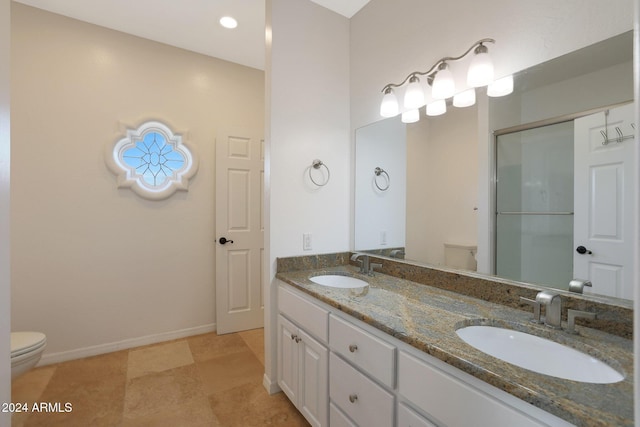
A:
x: 316, y: 165
x: 379, y: 171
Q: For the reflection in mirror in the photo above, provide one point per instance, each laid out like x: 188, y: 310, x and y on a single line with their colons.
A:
x: 429, y: 214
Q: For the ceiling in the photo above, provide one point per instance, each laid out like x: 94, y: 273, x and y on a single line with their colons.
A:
x: 187, y: 24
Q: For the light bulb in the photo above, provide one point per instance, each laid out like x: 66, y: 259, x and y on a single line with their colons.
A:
x: 389, y: 104
x: 481, y: 68
x: 437, y: 108
x: 465, y: 99
x: 411, y: 116
x: 414, y: 95
x: 501, y: 87
x: 443, y: 85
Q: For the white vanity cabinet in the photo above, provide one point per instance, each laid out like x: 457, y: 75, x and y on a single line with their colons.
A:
x: 368, y: 378
x: 303, y: 364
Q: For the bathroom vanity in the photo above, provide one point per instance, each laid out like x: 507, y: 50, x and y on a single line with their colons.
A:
x: 387, y: 354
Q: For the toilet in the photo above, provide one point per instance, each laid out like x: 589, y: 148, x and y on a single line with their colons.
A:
x: 462, y: 257
x: 26, y: 350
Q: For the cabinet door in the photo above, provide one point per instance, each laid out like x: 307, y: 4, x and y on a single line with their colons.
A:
x: 313, y: 388
x: 288, y: 358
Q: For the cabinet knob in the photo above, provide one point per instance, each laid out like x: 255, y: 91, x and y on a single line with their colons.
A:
x: 353, y: 398
x: 353, y: 348
x: 298, y: 339
x: 293, y: 336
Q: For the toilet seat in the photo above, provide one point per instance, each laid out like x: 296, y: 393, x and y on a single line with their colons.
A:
x: 26, y: 342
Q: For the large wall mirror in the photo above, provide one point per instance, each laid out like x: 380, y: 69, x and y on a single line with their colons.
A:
x: 417, y: 197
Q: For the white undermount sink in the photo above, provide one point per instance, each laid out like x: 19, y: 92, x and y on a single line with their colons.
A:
x: 338, y: 281
x: 539, y: 354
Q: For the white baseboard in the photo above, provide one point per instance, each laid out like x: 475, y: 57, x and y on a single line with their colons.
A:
x: 271, y: 386
x: 63, y: 356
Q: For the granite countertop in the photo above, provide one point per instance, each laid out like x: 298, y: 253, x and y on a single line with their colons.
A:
x: 426, y: 318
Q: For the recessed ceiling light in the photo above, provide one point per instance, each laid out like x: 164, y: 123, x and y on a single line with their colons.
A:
x: 228, y: 22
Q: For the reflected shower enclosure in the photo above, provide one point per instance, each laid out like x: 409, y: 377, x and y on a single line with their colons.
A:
x: 534, y: 205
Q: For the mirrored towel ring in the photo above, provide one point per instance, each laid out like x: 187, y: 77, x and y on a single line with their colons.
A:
x: 317, y: 164
x: 386, y: 182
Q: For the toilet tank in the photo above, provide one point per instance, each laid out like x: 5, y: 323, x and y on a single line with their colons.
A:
x: 460, y: 256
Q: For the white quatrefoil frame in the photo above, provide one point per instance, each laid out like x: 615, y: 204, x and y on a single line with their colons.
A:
x: 152, y: 161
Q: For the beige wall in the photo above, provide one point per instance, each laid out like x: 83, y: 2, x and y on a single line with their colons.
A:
x: 5, y: 364
x: 96, y: 267
x: 442, y: 184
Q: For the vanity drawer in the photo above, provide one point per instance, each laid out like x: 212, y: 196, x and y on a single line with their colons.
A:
x: 440, y: 395
x: 337, y: 418
x: 306, y: 314
x: 409, y: 418
x: 364, y: 350
x: 364, y: 401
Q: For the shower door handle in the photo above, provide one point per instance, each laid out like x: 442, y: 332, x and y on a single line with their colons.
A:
x: 582, y: 250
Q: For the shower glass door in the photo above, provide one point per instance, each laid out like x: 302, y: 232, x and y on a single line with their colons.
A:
x: 534, y: 205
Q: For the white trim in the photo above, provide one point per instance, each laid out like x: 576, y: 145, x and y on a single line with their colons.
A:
x: 272, y: 387
x: 63, y: 356
x: 128, y: 177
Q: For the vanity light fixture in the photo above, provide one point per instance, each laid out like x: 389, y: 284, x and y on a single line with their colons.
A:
x: 411, y: 116
x: 481, y: 68
x: 440, y: 77
x: 389, y: 106
x: 443, y: 84
x: 465, y: 99
x: 414, y: 95
x: 437, y: 108
x: 501, y: 87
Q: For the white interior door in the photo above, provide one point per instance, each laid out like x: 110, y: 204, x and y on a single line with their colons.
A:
x: 239, y: 231
x: 604, y: 205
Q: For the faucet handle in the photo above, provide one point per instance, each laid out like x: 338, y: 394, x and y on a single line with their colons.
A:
x: 373, y: 266
x: 572, y: 315
x: 536, y: 308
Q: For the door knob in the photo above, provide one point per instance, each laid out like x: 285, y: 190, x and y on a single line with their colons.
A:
x: 224, y: 240
x: 582, y: 250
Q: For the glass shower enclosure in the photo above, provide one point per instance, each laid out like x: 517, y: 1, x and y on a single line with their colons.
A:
x: 534, y: 205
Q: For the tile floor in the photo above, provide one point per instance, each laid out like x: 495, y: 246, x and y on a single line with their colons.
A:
x: 205, y: 380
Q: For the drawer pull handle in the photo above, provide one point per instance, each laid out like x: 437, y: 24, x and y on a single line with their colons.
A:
x: 353, y: 348
x: 353, y: 398
x: 293, y: 336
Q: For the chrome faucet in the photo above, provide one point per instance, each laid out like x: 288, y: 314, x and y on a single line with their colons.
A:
x: 536, y: 308
x: 552, y: 308
x: 577, y: 285
x: 364, y: 262
x: 366, y: 266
